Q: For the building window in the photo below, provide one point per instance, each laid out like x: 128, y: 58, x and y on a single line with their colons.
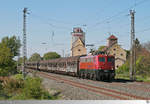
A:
x: 121, y: 54
x: 114, y: 49
x: 117, y: 66
x: 114, y: 54
x: 79, y: 50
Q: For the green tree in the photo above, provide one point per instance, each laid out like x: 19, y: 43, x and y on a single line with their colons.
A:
x: 51, y: 55
x: 13, y: 44
x: 7, y: 64
x: 5, y: 55
x: 20, y: 61
x: 142, y: 62
x: 128, y: 53
x: 9, y: 48
x: 35, y: 57
x: 100, y: 48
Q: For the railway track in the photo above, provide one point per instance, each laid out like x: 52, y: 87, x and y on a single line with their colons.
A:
x: 135, y: 85
x: 98, y: 90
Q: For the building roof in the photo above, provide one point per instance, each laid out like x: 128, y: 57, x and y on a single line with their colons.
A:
x: 79, y: 39
x: 112, y: 37
x: 77, y: 30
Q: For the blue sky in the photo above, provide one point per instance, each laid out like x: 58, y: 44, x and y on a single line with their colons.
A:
x: 101, y: 17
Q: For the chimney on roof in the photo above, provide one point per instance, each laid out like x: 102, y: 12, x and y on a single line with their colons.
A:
x: 112, y: 40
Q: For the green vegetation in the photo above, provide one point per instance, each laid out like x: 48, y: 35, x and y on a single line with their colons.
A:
x: 15, y: 88
x: 51, y: 55
x: 12, y: 85
x: 20, y: 60
x: 47, y: 56
x: 13, y: 44
x: 9, y: 48
x: 35, y: 57
x: 101, y: 47
x: 142, y: 65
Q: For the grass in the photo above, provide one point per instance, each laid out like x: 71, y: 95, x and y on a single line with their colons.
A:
x: 127, y: 77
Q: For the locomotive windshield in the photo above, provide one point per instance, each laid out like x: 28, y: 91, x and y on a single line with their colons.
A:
x: 110, y: 59
x: 101, y: 59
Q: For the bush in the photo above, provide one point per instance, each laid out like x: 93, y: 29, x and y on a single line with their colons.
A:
x: 34, y: 90
x: 18, y: 76
x: 16, y: 88
x: 123, y: 69
x: 12, y: 85
x: 8, y: 70
x: 142, y: 68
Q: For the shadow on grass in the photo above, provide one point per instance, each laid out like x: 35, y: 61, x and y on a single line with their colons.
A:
x: 119, y: 80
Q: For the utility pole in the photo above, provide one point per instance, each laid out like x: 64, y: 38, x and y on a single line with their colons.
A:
x: 18, y: 56
x: 63, y: 53
x: 24, y: 41
x: 132, y: 47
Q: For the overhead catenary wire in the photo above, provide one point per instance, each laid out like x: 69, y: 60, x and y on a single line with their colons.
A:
x: 62, y: 27
x: 144, y: 30
x: 119, y: 13
x: 101, y: 11
x: 127, y: 25
x: 51, y: 19
x: 49, y: 22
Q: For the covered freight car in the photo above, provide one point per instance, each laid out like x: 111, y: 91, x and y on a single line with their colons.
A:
x: 65, y: 65
x: 31, y: 65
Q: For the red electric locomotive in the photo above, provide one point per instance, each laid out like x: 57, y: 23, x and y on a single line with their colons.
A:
x: 98, y: 67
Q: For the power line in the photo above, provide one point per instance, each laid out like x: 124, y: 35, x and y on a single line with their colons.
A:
x: 119, y: 13
x: 47, y: 21
x: 142, y: 20
x: 147, y: 29
x: 104, y: 7
x: 112, y: 20
x: 52, y: 19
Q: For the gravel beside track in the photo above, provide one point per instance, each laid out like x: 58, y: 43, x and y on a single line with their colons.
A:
x: 94, y: 90
x: 69, y: 92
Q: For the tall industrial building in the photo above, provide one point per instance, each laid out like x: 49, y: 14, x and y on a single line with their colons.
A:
x: 113, y: 48
x: 78, y: 42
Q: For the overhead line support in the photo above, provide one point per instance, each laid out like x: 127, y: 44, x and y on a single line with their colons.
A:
x: 24, y: 41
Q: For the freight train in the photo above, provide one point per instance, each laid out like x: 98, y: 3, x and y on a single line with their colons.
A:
x: 95, y: 67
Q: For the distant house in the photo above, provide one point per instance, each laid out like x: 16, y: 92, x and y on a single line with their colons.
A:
x: 113, y: 48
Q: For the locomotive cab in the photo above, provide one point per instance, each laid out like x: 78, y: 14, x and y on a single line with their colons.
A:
x: 111, y: 62
x: 106, y: 67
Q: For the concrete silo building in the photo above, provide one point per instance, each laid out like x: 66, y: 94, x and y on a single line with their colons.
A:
x: 78, y: 42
